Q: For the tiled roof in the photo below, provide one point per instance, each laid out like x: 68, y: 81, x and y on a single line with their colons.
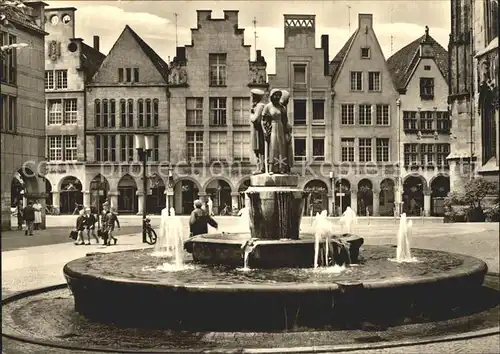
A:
x: 402, y: 63
x: 91, y: 60
x: 158, y: 62
x: 339, y: 58
x: 16, y: 12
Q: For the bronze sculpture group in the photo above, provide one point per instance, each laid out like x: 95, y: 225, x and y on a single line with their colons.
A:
x: 271, y: 133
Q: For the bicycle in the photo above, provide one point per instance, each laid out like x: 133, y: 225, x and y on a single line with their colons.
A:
x: 51, y: 210
x: 151, y: 236
x: 225, y: 211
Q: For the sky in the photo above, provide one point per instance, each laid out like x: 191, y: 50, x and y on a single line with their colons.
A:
x: 155, y: 21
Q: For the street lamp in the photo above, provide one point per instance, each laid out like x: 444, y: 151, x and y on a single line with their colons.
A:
x: 143, y: 145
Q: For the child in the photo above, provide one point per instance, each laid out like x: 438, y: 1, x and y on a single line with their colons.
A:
x: 80, y: 227
x: 90, y: 225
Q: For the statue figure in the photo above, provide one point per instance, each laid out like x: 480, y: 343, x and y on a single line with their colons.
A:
x: 178, y: 74
x: 288, y: 130
x: 254, y: 74
x: 182, y: 75
x: 257, y: 134
x: 274, y: 135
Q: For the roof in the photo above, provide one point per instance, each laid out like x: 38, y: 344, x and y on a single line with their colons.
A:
x: 402, y: 63
x: 336, y: 63
x: 158, y: 62
x: 16, y: 11
x: 91, y: 60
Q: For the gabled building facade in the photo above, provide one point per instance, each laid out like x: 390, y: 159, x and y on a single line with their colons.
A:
x: 210, y: 82
x: 303, y: 70
x: 22, y: 129
x: 69, y: 65
x: 420, y: 73
x: 127, y: 95
x: 364, y: 124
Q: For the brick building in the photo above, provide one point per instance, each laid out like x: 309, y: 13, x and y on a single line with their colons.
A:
x: 210, y: 82
x: 303, y: 70
x: 127, y: 95
x: 69, y: 65
x: 365, y: 124
x: 22, y: 148
x: 420, y: 72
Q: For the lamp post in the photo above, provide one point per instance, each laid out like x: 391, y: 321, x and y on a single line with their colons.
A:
x: 332, y: 181
x: 144, y: 145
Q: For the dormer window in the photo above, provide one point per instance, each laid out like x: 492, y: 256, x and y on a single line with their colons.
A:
x: 128, y: 75
x: 365, y: 53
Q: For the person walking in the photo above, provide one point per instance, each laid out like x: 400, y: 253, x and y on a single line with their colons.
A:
x: 81, y: 222
x: 20, y: 220
x: 90, y: 225
x: 109, y: 221
x: 200, y: 219
x: 210, y: 205
x: 38, y: 214
x: 29, y: 217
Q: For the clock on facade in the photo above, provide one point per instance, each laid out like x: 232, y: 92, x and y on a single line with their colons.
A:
x: 66, y: 19
x: 54, y: 20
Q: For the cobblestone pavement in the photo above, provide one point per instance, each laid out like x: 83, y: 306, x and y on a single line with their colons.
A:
x: 33, y: 267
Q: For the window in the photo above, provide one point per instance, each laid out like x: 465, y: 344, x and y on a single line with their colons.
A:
x: 136, y: 74
x: 426, y: 120
x: 194, y: 111
x: 140, y: 113
x: 70, y: 148
x: 9, y: 113
x: 148, y: 113
x: 218, y: 111
x: 299, y: 148
x: 130, y: 111
x: 55, y: 111
x: 70, y: 111
x: 156, y: 112
x: 241, y: 146
x: 347, y: 152
x: 409, y: 121
x: 490, y: 20
x: 128, y: 76
x: 299, y: 74
x: 426, y: 88
x: 365, y: 53
x: 112, y: 113
x: 55, y: 148
x: 105, y: 113
x: 50, y: 82
x: 9, y: 69
x: 123, y: 113
x: 155, y: 156
x: 374, y: 81
x: 218, y: 74
x: 347, y: 114
x: 105, y: 148
x: 382, y: 152
x: 442, y: 151
x: 383, y: 114
x: 241, y: 111
x: 365, y: 149
x: 427, y: 67
x: 195, y: 146
x: 120, y: 74
x: 410, y: 154
x: 299, y: 112
x: 126, y: 148
x: 365, y: 114
x: 218, y: 146
x: 319, y: 149
x: 97, y: 113
x: 443, y: 122
x: 318, y: 111
x: 427, y: 154
x: 356, y: 81
x: 61, y: 79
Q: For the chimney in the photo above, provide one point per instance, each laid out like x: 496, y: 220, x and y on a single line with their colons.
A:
x: 365, y: 21
x: 96, y: 43
x: 259, y: 55
x: 426, y: 49
x: 326, y: 61
x: 181, y: 54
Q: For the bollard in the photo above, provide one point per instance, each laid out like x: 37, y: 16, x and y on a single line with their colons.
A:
x: 368, y: 215
x: 422, y: 214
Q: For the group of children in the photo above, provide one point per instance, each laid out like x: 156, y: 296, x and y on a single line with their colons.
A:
x: 86, y: 223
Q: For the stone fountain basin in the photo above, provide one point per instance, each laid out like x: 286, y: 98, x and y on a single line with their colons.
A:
x: 124, y: 288
x: 227, y: 249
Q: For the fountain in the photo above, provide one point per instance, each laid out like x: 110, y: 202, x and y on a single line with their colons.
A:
x: 403, y: 251
x: 170, y: 241
x: 286, y: 288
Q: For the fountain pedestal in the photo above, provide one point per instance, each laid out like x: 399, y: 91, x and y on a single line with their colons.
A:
x: 276, y: 206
